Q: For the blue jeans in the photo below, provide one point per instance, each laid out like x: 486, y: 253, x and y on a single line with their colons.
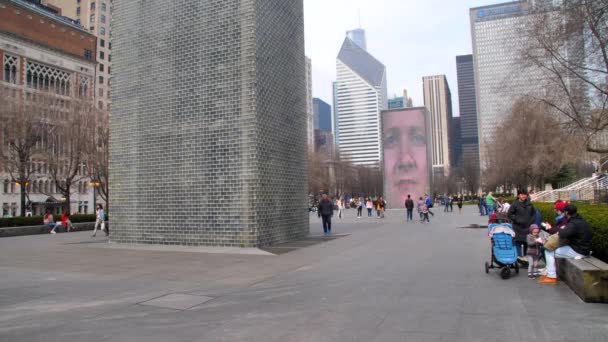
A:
x: 565, y: 252
x: 490, y: 210
x: 369, y: 212
x: 326, y: 223
x: 409, y: 214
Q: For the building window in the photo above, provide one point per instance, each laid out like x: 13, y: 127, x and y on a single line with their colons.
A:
x: 78, y: 11
x: 6, y: 181
x: 101, y: 92
x: 102, y: 31
x: 102, y: 18
x: 109, y: 70
x: 87, y: 54
x: 110, y: 45
x: 109, y: 58
x: 101, y: 67
x: 101, y: 55
x: 92, y: 19
x: 100, y: 79
x: 11, y: 65
x: 83, y: 89
x: 100, y: 104
x: 44, y: 77
x: 93, y: 6
x: 103, y: 6
x: 102, y: 43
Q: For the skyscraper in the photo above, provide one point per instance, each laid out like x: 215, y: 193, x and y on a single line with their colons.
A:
x: 96, y: 17
x: 322, y: 114
x: 498, y: 34
x: 400, y: 102
x: 360, y: 93
x: 468, y: 111
x: 455, y: 141
x: 214, y: 113
x: 438, y: 100
x: 358, y: 36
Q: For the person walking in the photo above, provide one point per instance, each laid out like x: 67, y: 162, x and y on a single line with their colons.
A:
x: 452, y: 198
x: 340, y: 204
x: 490, y: 203
x: 369, y: 205
x: 101, y: 220
x: 420, y: 208
x: 409, y: 208
x: 484, y: 205
x: 446, y: 203
x: 522, y: 214
x: 429, y: 204
x: 380, y: 206
x: 325, y: 212
x: 459, y: 202
x: 359, y: 207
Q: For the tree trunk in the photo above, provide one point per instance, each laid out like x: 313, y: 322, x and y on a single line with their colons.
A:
x: 22, y: 197
x: 67, y: 201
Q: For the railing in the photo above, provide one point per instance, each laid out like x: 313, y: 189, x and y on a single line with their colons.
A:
x: 586, y: 190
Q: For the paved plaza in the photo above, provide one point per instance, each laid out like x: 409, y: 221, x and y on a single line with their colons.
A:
x: 384, y: 280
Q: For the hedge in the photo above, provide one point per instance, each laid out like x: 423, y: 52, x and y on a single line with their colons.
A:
x: 21, y: 221
x: 595, y: 215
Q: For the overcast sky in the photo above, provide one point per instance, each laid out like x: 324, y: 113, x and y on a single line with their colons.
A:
x: 413, y: 38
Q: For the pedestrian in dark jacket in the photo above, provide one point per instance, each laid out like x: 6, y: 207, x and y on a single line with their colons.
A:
x: 409, y: 206
x: 325, y: 212
x: 575, y: 239
x: 522, y: 215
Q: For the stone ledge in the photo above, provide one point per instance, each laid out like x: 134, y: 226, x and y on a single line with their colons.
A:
x: 42, y: 229
x: 588, y: 278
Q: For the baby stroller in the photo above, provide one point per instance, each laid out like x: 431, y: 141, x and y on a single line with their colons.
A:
x: 504, y: 252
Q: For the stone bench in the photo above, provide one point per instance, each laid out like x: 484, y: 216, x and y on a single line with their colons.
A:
x: 42, y: 229
x: 588, y: 278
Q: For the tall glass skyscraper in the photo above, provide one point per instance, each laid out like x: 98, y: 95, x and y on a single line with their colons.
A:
x: 358, y: 36
x: 359, y: 95
x: 498, y: 37
x: 468, y: 110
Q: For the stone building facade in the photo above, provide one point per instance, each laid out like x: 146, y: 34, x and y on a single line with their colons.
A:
x: 209, y: 127
x: 42, y: 53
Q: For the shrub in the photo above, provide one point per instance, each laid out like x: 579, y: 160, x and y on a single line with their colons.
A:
x: 595, y: 215
x: 83, y: 218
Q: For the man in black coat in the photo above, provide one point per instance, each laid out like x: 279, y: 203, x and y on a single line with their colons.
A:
x: 409, y: 206
x: 326, y: 211
x: 522, y: 214
x: 576, y: 240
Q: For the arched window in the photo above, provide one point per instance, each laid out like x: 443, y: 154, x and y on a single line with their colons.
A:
x: 6, y: 181
x: 11, y: 65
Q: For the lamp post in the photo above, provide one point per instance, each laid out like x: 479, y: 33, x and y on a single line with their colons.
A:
x: 95, y: 185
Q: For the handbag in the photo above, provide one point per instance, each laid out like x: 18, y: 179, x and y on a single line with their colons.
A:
x: 552, y: 243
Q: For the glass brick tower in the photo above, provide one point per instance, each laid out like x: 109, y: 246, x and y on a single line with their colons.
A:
x: 208, y: 129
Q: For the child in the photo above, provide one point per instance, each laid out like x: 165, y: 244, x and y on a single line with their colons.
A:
x: 535, y: 243
x: 425, y: 213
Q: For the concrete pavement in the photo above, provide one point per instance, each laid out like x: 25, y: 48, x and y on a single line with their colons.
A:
x: 385, y: 281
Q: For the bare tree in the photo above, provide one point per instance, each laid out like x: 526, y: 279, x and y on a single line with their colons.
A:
x: 470, y: 176
x: 569, y: 44
x: 99, y: 159
x: 71, y: 145
x: 24, y: 127
x: 530, y: 149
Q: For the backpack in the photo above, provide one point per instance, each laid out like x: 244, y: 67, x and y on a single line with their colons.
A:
x: 429, y: 203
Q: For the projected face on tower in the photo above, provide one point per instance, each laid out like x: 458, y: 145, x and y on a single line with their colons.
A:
x: 405, y: 155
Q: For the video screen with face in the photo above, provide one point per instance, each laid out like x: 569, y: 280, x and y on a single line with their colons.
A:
x: 406, y: 151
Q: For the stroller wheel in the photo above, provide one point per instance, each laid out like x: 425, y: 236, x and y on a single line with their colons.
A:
x: 487, y: 267
x: 505, y: 273
x: 516, y: 268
